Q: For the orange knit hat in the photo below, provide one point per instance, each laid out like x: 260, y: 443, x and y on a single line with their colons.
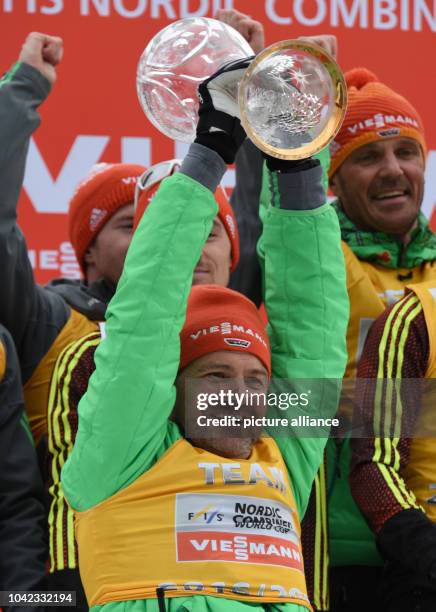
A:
x: 225, y: 213
x: 106, y: 189
x: 220, y: 319
x: 375, y: 112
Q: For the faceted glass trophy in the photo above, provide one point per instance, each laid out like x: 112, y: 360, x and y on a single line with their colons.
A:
x: 292, y: 99
x: 175, y: 62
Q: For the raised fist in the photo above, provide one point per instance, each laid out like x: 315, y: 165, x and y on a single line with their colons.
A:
x: 43, y: 52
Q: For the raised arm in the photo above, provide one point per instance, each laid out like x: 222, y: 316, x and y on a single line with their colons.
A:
x: 252, y: 188
x: 306, y: 302
x: 35, y: 320
x: 123, y: 417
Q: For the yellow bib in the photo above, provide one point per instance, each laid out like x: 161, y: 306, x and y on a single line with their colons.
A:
x: 371, y: 288
x: 420, y: 472
x: 197, y: 523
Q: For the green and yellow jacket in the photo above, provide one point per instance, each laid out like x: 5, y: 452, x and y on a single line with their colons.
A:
x: 125, y: 430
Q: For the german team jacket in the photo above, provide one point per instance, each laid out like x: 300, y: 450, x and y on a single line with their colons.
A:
x: 124, y: 417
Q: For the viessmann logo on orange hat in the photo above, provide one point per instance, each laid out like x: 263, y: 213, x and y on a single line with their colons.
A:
x: 226, y: 328
x: 374, y: 112
x: 217, y: 319
x: 380, y: 121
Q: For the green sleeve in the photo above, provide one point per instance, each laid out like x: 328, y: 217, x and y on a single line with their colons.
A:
x: 307, y: 305
x: 123, y: 417
x: 265, y: 194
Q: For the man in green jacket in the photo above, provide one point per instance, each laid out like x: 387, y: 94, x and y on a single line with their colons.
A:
x: 377, y: 174
x: 155, y: 516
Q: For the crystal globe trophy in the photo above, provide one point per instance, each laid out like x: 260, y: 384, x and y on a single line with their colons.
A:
x: 292, y: 99
x: 175, y: 62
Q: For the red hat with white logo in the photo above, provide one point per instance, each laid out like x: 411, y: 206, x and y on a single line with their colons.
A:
x: 220, y: 319
x: 374, y: 112
x: 149, y: 184
x: 106, y: 189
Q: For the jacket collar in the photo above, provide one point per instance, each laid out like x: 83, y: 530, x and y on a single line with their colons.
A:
x: 385, y: 250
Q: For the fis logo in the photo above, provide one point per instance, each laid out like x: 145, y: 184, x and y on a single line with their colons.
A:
x: 206, y: 515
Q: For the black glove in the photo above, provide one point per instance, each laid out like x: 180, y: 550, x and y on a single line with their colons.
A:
x: 287, y: 166
x: 409, y: 539
x: 219, y: 126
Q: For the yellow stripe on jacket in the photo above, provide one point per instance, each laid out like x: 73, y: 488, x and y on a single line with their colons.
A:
x: 62, y: 430
x: 36, y: 390
x: 420, y: 472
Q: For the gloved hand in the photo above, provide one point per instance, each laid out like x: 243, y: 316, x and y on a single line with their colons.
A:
x: 219, y: 126
x: 285, y: 166
x: 409, y: 539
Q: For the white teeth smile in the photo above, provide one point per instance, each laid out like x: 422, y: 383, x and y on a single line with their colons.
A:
x: 390, y: 194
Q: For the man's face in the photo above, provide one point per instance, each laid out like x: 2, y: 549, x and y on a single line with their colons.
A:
x: 381, y: 185
x: 221, y: 370
x: 105, y: 257
x: 214, y: 265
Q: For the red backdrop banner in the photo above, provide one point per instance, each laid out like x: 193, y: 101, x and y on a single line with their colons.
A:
x: 93, y: 113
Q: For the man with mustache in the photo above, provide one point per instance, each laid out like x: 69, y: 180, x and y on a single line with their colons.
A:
x: 150, y: 498
x: 377, y: 174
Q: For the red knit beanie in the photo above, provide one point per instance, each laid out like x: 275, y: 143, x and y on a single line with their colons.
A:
x: 220, y: 319
x: 106, y: 189
x: 374, y: 112
x: 225, y: 213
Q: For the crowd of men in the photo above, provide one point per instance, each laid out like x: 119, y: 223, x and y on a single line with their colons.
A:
x: 103, y: 489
